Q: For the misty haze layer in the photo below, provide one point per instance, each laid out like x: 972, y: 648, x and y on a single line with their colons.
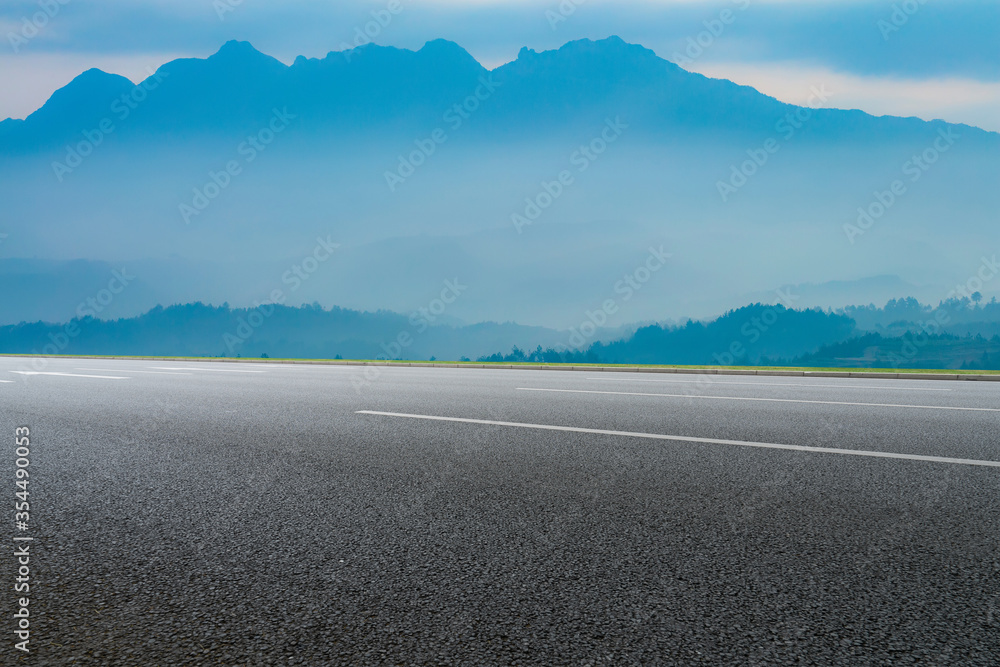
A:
x: 598, y: 177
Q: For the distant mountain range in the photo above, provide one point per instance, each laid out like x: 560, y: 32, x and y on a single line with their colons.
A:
x: 371, y: 86
x: 542, y: 185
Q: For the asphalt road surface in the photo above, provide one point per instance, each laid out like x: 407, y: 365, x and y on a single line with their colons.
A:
x: 189, y: 513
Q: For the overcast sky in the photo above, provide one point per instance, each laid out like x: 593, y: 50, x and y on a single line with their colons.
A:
x: 932, y: 59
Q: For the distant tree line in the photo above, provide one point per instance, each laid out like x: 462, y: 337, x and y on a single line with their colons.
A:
x: 959, y: 333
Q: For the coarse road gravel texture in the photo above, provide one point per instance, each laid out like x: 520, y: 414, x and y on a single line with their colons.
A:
x: 200, y: 513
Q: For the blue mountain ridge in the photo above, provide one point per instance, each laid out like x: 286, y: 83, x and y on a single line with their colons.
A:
x: 370, y: 86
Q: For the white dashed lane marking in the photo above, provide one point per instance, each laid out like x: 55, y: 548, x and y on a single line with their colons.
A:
x: 765, y: 400
x: 71, y: 375
x: 682, y: 438
x: 710, y: 381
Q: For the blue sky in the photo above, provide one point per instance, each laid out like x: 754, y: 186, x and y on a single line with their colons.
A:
x: 931, y: 59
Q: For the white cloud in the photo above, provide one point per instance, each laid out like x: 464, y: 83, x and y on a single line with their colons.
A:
x: 951, y: 99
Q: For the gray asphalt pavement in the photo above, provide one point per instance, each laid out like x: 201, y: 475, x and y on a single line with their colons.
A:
x: 190, y: 513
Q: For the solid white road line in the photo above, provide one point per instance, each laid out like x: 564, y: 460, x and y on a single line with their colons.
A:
x: 210, y: 370
x: 7, y: 381
x: 122, y: 370
x: 683, y: 438
x: 71, y: 375
x: 767, y: 400
x: 716, y: 383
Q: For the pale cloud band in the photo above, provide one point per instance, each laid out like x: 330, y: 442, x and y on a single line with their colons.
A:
x: 955, y: 100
